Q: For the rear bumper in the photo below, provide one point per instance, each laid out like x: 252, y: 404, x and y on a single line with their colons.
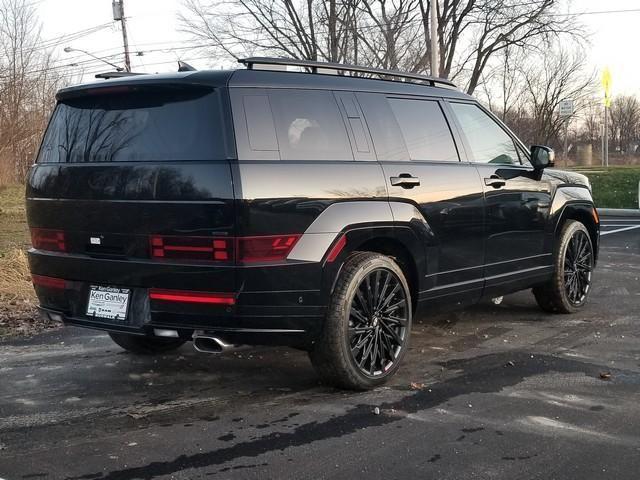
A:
x: 274, y: 304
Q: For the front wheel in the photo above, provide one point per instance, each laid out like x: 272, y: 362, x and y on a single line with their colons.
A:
x: 574, y: 259
x: 367, y: 327
x: 145, y: 345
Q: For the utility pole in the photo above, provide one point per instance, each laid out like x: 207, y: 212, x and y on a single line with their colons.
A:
x: 434, y: 38
x: 118, y: 15
x: 606, y: 86
x: 605, y: 138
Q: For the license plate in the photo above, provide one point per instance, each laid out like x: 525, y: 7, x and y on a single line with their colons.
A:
x: 108, y: 302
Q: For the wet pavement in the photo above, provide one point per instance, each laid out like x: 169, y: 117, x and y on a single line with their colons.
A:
x: 501, y: 392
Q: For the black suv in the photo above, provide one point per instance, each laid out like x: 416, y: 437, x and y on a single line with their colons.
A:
x: 308, y: 209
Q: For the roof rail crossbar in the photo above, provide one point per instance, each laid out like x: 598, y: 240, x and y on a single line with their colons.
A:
x: 314, y: 66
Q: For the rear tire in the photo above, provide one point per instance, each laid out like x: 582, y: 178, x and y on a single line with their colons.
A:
x: 145, y: 345
x: 367, y: 326
x: 569, y: 287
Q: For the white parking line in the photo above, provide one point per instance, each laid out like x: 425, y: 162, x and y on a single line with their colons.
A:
x: 619, y: 230
x: 619, y: 224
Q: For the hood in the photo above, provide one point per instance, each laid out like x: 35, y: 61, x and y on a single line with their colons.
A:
x: 567, y: 177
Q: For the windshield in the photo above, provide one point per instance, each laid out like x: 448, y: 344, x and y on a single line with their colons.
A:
x: 158, y: 125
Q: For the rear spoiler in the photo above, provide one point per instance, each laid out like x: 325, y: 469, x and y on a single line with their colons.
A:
x: 108, y: 75
x: 182, y: 67
x: 131, y: 81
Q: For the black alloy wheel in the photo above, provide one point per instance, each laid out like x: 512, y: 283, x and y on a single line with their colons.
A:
x: 578, y: 264
x: 378, y: 322
x: 573, y: 260
x: 368, y: 323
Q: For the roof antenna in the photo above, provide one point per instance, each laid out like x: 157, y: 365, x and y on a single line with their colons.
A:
x: 185, y: 67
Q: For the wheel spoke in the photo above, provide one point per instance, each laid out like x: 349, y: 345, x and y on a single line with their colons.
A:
x: 359, y: 315
x: 394, y: 320
x: 383, y: 291
x: 392, y: 333
x: 376, y: 290
x: 390, y: 296
x: 363, y: 303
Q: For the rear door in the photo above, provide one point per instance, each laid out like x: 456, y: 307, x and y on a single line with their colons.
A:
x: 422, y: 166
x: 517, y: 199
x: 121, y: 165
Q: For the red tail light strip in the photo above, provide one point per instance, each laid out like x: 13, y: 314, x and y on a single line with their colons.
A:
x: 183, y: 296
x: 48, y: 239
x: 266, y: 248
x: 49, y: 282
x: 191, y: 248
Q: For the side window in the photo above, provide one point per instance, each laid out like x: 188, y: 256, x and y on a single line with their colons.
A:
x: 524, y: 156
x: 385, y: 131
x: 260, y: 129
x: 309, y: 125
x: 255, y: 133
x: 425, y: 130
x: 489, y: 143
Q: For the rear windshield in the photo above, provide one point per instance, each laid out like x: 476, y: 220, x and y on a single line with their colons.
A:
x: 159, y: 125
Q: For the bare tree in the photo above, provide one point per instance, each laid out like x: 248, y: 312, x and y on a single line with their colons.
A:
x: 549, y: 78
x: 592, y: 120
x: 383, y: 33
x: 625, y: 122
x: 27, y: 87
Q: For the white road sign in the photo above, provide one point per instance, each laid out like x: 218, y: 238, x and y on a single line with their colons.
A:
x: 565, y: 107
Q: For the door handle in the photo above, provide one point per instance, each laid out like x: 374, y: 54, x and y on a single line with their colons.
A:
x: 495, y: 181
x: 405, y: 180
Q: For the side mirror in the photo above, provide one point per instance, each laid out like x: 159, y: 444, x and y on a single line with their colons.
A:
x: 542, y: 157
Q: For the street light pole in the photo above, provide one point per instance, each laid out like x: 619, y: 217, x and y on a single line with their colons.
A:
x: 434, y: 38
x: 69, y: 50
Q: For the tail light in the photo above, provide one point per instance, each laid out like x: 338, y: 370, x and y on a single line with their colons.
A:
x: 191, y: 248
x: 184, y: 296
x: 244, y: 249
x: 265, y: 248
x: 48, y: 282
x: 48, y: 239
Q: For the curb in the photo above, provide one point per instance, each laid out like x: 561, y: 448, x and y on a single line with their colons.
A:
x: 619, y: 212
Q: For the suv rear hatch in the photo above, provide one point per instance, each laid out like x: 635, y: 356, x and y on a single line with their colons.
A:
x: 133, y: 191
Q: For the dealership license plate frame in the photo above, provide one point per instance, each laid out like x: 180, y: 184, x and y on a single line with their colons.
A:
x: 105, y: 309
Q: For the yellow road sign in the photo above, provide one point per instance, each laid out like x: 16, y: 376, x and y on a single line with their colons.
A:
x: 606, y: 85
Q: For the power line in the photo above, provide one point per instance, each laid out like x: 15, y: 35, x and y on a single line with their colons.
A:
x: 599, y: 12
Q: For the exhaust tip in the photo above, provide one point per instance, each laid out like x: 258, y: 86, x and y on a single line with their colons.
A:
x: 209, y: 344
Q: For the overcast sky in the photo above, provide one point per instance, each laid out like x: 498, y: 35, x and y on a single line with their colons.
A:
x: 153, y: 28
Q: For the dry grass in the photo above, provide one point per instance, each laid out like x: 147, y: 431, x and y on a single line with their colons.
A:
x: 18, y: 313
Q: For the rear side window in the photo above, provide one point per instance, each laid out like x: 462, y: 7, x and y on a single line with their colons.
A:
x: 309, y: 126
x: 158, y: 125
x: 384, y: 128
x: 489, y: 143
x: 425, y: 130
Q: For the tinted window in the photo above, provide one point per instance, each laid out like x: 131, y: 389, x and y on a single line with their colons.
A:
x: 309, y: 126
x: 425, y: 130
x: 489, y: 143
x: 131, y: 127
x: 260, y: 129
x: 385, y: 131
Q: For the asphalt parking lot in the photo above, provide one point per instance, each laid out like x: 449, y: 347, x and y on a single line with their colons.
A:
x: 498, y: 392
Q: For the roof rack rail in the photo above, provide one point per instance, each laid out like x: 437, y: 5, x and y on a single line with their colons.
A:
x: 108, y: 75
x: 314, y: 66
